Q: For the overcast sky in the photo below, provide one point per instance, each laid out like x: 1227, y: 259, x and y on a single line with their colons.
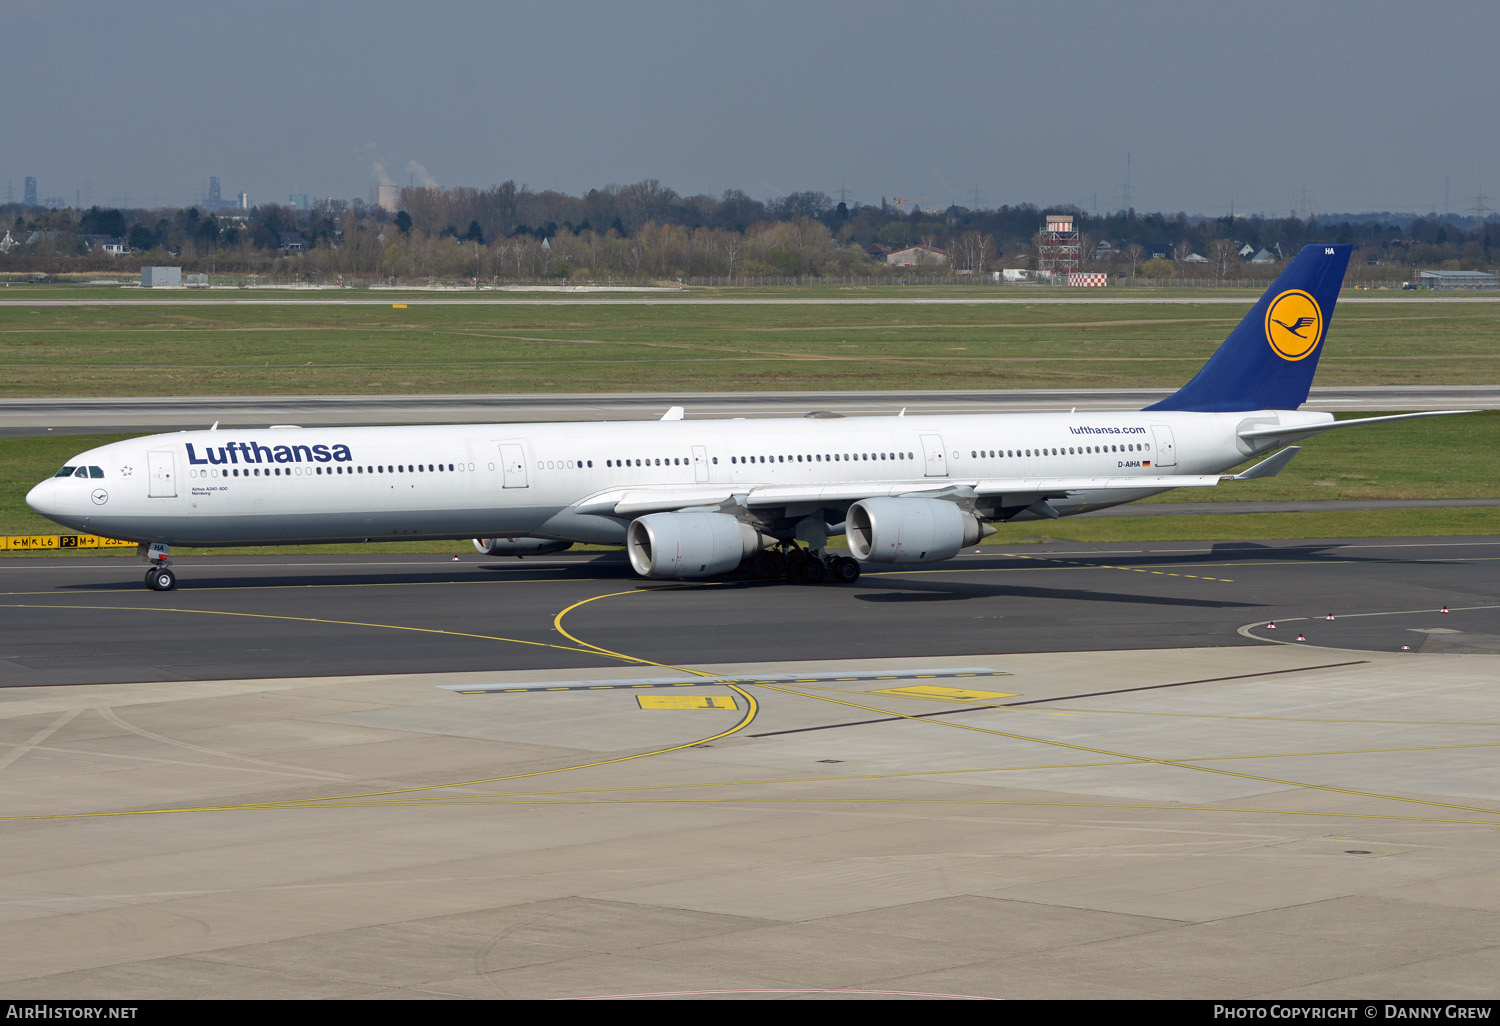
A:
x: 1353, y: 105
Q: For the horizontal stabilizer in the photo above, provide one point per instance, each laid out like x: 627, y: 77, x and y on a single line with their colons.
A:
x: 1293, y: 431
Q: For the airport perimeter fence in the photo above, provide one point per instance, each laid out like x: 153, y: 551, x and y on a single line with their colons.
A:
x: 759, y: 281
x: 1119, y: 281
x: 1259, y: 284
x: 970, y: 281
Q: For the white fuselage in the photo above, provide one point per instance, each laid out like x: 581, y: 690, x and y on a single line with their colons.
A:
x: 280, y: 485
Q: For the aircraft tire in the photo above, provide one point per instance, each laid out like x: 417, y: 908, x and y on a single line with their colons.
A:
x: 770, y: 563
x: 845, y: 570
x: 812, y: 571
x: 160, y: 579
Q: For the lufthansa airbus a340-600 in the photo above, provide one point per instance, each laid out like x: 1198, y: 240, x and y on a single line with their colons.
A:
x: 695, y: 498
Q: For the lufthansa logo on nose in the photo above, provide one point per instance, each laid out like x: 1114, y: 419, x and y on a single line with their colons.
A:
x: 1294, y: 325
x: 100, y: 496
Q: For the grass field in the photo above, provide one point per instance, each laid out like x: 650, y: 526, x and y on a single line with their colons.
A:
x: 300, y: 349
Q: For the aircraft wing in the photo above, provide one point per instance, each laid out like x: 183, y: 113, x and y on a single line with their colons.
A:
x: 637, y: 502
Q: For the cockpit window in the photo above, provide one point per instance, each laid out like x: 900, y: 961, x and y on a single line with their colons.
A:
x: 65, y: 472
x: 95, y: 472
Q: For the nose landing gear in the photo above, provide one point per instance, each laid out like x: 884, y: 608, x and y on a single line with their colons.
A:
x: 158, y: 578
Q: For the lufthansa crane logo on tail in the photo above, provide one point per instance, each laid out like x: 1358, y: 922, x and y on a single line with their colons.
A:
x: 1294, y: 324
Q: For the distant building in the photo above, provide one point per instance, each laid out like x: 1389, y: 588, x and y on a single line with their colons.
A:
x: 7, y: 243
x: 108, y: 243
x: 1448, y: 280
x: 297, y: 201
x: 292, y: 242
x: 30, y: 195
x: 154, y: 277
x: 913, y: 256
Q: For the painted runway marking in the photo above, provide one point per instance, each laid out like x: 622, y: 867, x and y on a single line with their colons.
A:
x: 944, y: 694
x: 686, y: 702
x: 843, y: 676
x: 1109, y: 566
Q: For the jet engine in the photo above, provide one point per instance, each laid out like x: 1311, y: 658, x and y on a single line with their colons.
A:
x: 690, y: 544
x: 519, y: 545
x: 910, y: 530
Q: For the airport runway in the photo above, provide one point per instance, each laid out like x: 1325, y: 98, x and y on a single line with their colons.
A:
x: 24, y: 417
x: 1054, y: 771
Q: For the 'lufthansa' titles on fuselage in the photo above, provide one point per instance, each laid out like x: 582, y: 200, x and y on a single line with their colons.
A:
x: 255, y: 452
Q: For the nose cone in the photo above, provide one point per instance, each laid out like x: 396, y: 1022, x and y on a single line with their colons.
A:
x: 43, y: 498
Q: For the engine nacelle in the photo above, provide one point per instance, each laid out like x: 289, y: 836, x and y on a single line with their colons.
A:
x: 910, y: 530
x: 519, y: 545
x: 690, y: 544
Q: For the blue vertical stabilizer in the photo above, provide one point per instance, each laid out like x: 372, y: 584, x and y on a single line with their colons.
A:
x: 1267, y: 362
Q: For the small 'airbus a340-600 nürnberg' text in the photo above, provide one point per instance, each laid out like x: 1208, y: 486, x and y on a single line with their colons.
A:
x: 694, y: 498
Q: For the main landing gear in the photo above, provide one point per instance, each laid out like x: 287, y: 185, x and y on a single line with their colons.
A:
x: 804, y: 566
x: 158, y: 578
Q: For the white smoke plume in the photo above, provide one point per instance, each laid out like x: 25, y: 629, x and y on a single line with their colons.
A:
x: 421, y: 174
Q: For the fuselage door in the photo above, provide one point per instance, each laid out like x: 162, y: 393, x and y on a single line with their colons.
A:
x: 700, y: 464
x: 162, y: 465
x: 932, y: 449
x: 1166, y: 451
x: 513, y: 462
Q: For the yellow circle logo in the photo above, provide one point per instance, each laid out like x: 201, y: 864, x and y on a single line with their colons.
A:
x: 1294, y: 324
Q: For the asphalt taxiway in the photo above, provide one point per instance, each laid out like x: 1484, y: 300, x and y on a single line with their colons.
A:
x: 1052, y: 771
x: 90, y: 621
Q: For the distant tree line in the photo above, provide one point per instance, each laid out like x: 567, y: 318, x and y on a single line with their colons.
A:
x: 646, y: 230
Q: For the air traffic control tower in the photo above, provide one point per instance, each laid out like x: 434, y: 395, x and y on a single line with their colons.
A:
x: 1058, y: 247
